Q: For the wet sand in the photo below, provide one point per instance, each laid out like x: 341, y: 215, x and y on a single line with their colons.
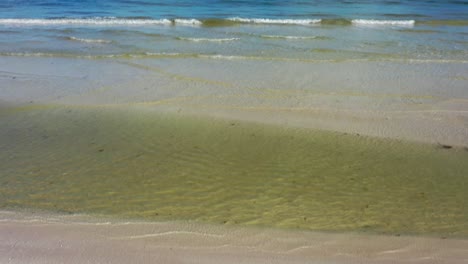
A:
x: 43, y: 238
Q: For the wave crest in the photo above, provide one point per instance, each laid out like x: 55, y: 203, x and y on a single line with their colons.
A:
x: 291, y: 37
x: 84, y: 21
x: 275, y: 21
x: 100, y: 41
x: 221, y: 22
x: 208, y: 39
x: 195, y: 22
x: 373, y: 22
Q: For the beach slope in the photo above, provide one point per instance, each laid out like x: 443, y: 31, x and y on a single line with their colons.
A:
x: 37, y: 238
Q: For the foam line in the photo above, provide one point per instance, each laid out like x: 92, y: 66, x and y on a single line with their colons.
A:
x: 372, y: 22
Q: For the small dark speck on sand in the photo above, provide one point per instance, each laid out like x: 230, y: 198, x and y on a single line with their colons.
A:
x: 397, y: 235
x: 101, y: 150
x: 445, y: 146
x: 233, y: 124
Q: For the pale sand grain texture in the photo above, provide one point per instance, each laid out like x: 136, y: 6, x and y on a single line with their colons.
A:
x: 27, y: 238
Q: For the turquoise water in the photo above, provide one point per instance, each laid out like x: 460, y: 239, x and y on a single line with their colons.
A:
x: 314, y: 30
x: 366, y: 9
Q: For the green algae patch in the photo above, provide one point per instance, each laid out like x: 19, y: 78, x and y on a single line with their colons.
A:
x: 137, y: 163
x: 336, y: 22
x: 214, y: 22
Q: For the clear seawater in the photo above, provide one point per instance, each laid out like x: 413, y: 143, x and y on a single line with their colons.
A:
x: 114, y: 158
x: 310, y: 30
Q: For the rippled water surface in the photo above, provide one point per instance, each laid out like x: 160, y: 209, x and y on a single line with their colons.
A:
x: 167, y: 167
x: 267, y: 29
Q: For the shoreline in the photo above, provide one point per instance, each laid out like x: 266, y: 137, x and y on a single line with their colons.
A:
x: 36, y: 238
x: 203, y: 132
x: 414, y: 109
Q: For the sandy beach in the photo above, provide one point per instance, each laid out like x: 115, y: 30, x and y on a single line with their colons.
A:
x: 165, y: 139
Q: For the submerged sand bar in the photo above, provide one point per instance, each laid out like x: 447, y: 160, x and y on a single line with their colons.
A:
x: 139, y: 163
x: 416, y: 100
x: 43, y: 238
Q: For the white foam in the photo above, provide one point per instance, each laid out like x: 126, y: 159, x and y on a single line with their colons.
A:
x: 223, y: 57
x: 167, y: 54
x: 372, y: 22
x: 28, y: 54
x: 209, y: 39
x: 288, y: 37
x: 87, y: 21
x: 194, y: 22
x: 101, y: 41
x: 275, y: 21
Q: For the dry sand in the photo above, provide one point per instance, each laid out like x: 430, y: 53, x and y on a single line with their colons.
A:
x: 27, y: 238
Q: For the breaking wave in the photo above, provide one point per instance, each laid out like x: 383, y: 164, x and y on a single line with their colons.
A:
x: 85, y: 21
x: 275, y: 21
x: 223, y: 22
x: 293, y: 37
x: 84, y: 40
x: 208, y: 39
x: 372, y: 22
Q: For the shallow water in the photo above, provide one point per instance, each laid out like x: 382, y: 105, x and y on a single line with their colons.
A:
x: 138, y: 163
x: 121, y: 94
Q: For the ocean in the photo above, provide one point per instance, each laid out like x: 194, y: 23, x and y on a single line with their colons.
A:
x: 323, y: 115
x: 301, y: 30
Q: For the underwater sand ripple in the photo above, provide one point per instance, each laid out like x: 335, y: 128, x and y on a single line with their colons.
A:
x: 168, y: 167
